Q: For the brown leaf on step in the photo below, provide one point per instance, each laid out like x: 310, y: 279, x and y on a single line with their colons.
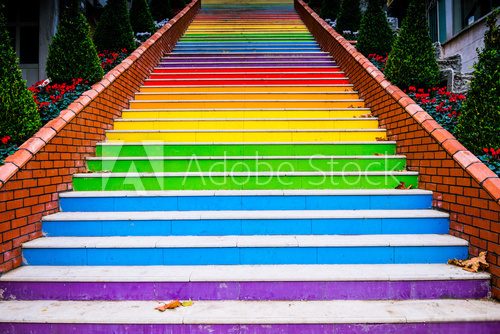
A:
x: 473, y: 265
x: 169, y: 306
x: 403, y: 186
x: 366, y: 116
x: 377, y: 154
x: 380, y: 139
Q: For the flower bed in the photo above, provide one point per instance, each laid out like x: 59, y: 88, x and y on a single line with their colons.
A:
x: 444, y: 107
x: 109, y: 59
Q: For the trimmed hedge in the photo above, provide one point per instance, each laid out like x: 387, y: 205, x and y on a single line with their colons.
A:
x: 479, y: 123
x: 19, y: 117
x: 141, y: 18
x: 161, y: 9
x: 349, y: 16
x: 375, y: 34
x: 72, y: 54
x: 114, y: 31
x: 412, y: 60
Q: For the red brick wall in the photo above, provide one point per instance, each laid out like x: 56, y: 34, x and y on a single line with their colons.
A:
x: 32, y: 178
x: 462, y: 185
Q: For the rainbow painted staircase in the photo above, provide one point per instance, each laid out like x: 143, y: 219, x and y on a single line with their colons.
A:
x: 248, y: 176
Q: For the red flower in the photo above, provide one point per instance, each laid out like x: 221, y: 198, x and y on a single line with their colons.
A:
x: 412, y: 89
x: 485, y: 150
x: 5, y: 139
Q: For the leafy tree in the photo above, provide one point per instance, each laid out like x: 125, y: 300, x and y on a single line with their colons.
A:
x: 141, y: 18
x: 19, y: 118
x: 330, y: 9
x: 479, y: 123
x: 72, y: 54
x: 161, y: 9
x: 349, y: 16
x: 114, y: 31
x: 375, y: 34
x: 412, y: 60
x: 178, y: 4
x: 314, y: 4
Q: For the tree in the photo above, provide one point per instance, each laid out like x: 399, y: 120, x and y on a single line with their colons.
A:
x: 72, y: 54
x: 349, y: 16
x: 375, y: 34
x: 330, y: 9
x: 114, y: 31
x: 178, y: 4
x: 161, y: 9
x: 412, y: 60
x: 141, y: 18
x: 479, y: 123
x: 19, y: 117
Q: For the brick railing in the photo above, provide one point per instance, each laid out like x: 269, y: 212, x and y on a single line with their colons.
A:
x: 462, y: 185
x: 31, y: 179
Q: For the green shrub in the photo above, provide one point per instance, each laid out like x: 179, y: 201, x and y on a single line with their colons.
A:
x: 114, y: 31
x: 375, y: 34
x: 412, y: 60
x: 19, y: 118
x: 330, y: 9
x: 141, y: 18
x: 349, y: 16
x: 479, y: 123
x: 72, y: 54
x: 178, y: 4
x: 161, y: 9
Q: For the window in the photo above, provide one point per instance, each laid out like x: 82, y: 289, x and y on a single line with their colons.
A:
x: 23, y: 26
x: 466, y: 12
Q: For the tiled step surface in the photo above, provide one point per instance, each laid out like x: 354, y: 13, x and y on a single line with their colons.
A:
x: 289, y: 223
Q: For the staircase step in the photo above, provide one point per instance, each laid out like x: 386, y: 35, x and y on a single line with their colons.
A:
x: 246, y: 163
x: 247, y: 136
x: 249, y: 282
x: 245, y: 149
x: 242, y: 222
x: 245, y: 123
x: 304, y: 69
x: 248, y: 63
x: 417, y: 316
x: 248, y: 96
x: 243, y: 180
x: 391, y: 199
x: 247, y: 81
x: 234, y: 250
x: 249, y: 89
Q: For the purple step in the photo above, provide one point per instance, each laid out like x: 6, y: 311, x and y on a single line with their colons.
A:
x: 383, y: 328
x: 331, y: 290
x: 244, y: 60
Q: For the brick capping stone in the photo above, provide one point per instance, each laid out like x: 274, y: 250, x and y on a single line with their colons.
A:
x: 461, y: 183
x: 32, y: 178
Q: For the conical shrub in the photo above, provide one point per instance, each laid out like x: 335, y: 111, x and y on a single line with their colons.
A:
x: 479, y: 123
x: 141, y: 18
x: 19, y: 117
x: 412, y: 60
x: 349, y: 16
x: 72, y: 53
x: 114, y: 31
x: 375, y: 34
x: 161, y: 9
x: 330, y: 9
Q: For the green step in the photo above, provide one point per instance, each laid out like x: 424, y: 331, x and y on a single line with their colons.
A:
x: 242, y: 181
x: 244, y: 164
x: 261, y: 149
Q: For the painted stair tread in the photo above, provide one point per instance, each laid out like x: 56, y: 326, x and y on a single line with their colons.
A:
x: 259, y: 241
x: 243, y: 273
x: 246, y: 157
x: 253, y: 312
x: 241, y: 214
x: 218, y: 193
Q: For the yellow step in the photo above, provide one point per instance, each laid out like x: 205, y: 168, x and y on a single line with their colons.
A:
x: 200, y: 114
x: 243, y: 124
x: 245, y: 104
x: 246, y: 136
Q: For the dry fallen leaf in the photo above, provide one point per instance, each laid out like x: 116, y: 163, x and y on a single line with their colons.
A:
x: 169, y: 306
x: 366, y: 116
x: 403, y: 186
x: 473, y: 265
x: 187, y: 303
x: 381, y: 139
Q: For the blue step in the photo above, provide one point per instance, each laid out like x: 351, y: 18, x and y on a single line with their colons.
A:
x: 258, y: 200
x: 151, y: 224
